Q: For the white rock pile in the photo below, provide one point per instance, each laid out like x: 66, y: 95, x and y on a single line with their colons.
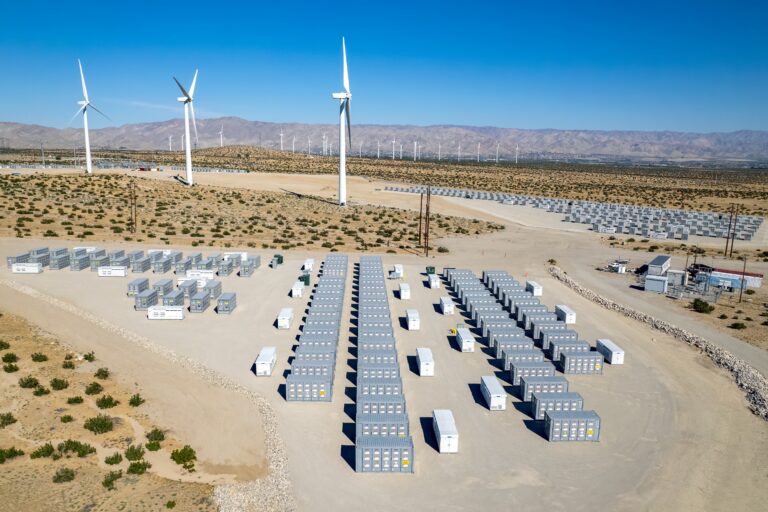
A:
x: 750, y: 380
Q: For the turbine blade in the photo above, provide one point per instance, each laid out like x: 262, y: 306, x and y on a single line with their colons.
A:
x: 76, y: 114
x: 99, y: 111
x: 194, y: 123
x: 346, y: 71
x: 347, y: 102
x: 183, y: 91
x: 82, y: 80
x: 192, y: 89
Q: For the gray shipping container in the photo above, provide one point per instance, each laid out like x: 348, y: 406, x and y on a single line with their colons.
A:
x: 572, y: 426
x: 510, y: 343
x: 135, y: 255
x: 519, y: 370
x: 381, y: 425
x: 81, y: 263
x: 548, y: 402
x: 162, y: 266
x: 59, y: 262
x: 199, y: 302
x: 137, y: 286
x: 189, y: 288
x: 308, y: 388
x: 558, y: 347
x: 376, y: 356
x: 306, y: 353
x: 530, y: 385
x: 174, y: 298
x: 378, y: 404
x: 163, y: 286
x: 522, y: 356
x: 141, y: 265
x: 378, y: 454
x: 19, y: 258
x: 379, y: 387
x: 226, y: 304
x: 225, y: 267
x: 213, y: 288
x: 548, y: 337
x: 102, y: 261
x: 321, y: 368
x: 145, y: 299
x: 378, y: 371
x: 521, y: 310
x: 181, y: 267
x: 582, y: 363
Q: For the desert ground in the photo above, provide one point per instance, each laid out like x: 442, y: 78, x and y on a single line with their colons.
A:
x: 677, y: 433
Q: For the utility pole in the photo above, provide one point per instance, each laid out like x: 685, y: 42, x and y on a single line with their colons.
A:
x: 426, y: 221
x: 133, y: 208
x: 421, y: 214
x: 737, y: 208
x: 497, y: 153
x: 743, y: 277
x: 42, y: 154
x: 728, y: 234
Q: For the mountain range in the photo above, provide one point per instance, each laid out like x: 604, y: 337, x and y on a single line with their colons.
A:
x: 445, y: 141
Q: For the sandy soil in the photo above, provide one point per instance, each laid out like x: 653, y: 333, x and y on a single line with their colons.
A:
x: 677, y: 433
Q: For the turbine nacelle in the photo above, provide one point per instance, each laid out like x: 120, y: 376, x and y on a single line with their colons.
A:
x: 341, y: 95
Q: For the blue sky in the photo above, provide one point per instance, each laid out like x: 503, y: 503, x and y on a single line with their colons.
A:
x: 690, y: 66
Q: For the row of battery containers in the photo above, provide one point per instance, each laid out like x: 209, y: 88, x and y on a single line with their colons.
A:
x: 162, y: 297
x: 383, y: 442
x: 313, y: 367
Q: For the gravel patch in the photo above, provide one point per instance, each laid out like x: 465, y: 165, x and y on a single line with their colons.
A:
x: 750, y: 380
x: 274, y: 492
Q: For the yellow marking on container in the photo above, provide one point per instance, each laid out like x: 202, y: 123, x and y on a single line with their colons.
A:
x: 589, y: 431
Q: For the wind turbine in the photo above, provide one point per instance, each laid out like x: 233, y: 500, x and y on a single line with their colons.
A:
x: 378, y: 147
x: 360, y: 152
x: 393, y: 150
x: 188, y: 107
x: 478, y: 152
x: 281, y: 139
x: 517, y: 149
x: 401, y: 151
x: 293, y: 145
x: 414, y: 151
x: 170, y: 143
x: 85, y: 104
x: 221, y: 137
x: 458, y: 158
x: 344, y: 101
x: 182, y: 142
x: 497, y: 152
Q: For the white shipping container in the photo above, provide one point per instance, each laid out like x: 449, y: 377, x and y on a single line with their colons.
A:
x: 109, y: 271
x: 201, y: 274
x: 88, y: 250
x: 230, y: 255
x: 612, y: 353
x: 397, y: 272
x: 405, y: 291
x: 494, y: 393
x: 309, y: 264
x: 200, y: 282
x: 434, y: 281
x: 298, y: 289
x: 565, y: 314
x: 534, y: 287
x: 445, y: 431
x: 284, y: 318
x: 465, y: 339
x: 265, y: 362
x: 425, y: 362
x: 412, y: 318
x: 165, y: 313
x: 27, y: 268
x: 447, y: 306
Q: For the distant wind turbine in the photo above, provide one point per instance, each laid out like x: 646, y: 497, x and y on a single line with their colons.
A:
x: 517, y: 149
x: 281, y: 139
x: 85, y: 104
x: 187, y: 99
x: 439, y: 154
x: 293, y: 145
x: 497, y: 152
x: 221, y: 137
x: 414, y: 151
x: 344, y: 101
x: 360, y: 152
x: 401, y: 151
x: 170, y: 143
x: 458, y: 158
x: 393, y: 150
x: 378, y: 148
x: 478, y: 151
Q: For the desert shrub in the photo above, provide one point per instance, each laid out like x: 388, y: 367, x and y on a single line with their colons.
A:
x: 41, y: 391
x: 152, y: 446
x: 28, y: 382
x: 68, y: 357
x: 10, y: 368
x: 6, y: 419
x: 10, y: 357
x: 749, y: 292
x: 738, y: 326
x: 59, y: 384
x: 552, y: 261
x: 723, y: 316
x: 155, y: 435
x: 39, y: 358
x: 134, y: 452
x: 111, y: 478
x: 186, y: 457
x: 136, y: 400
x: 442, y: 249
x: 67, y: 419
x: 113, y: 459
x: 4, y: 345
x: 702, y: 306
x: 74, y: 400
x: 99, y: 424
x: 68, y: 365
x: 63, y: 475
x: 9, y: 453
x: 139, y: 468
x: 90, y: 357
x: 106, y: 402
x: 170, y: 504
x: 81, y: 449
x: 102, y: 373
x: 44, y: 451
x: 94, y: 388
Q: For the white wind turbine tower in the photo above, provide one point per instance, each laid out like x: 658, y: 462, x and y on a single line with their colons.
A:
x: 281, y: 139
x: 401, y: 151
x: 414, y: 151
x: 517, y: 149
x: 170, y: 143
x: 84, y: 106
x: 344, y: 101
x: 293, y: 145
x: 393, y: 150
x: 378, y: 147
x: 458, y: 157
x: 439, y: 154
x: 360, y: 152
x: 188, y: 107
x: 221, y: 137
x: 497, y: 152
x: 478, y: 151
